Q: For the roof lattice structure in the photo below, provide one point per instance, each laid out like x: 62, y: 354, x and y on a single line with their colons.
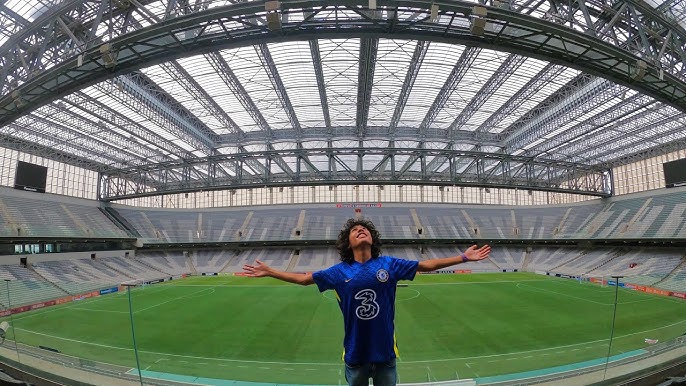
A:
x: 178, y: 95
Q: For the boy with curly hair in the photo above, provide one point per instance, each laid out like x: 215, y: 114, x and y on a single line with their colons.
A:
x: 365, y: 284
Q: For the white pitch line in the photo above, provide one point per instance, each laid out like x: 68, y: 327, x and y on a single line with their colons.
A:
x: 170, y: 300
x: 337, y: 363
x: 535, y: 289
x: 97, y: 310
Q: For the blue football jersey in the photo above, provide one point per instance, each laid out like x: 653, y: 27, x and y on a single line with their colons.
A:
x: 366, y: 295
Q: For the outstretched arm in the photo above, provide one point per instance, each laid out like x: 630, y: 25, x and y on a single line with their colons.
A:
x: 471, y: 254
x: 261, y: 269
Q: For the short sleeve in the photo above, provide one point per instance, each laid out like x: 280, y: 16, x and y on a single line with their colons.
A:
x: 326, y: 278
x: 404, y: 269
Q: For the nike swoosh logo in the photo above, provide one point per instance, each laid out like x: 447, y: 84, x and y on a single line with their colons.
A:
x: 347, y: 280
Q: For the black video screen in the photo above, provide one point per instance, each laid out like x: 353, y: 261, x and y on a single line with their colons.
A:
x: 30, y: 177
x: 675, y: 173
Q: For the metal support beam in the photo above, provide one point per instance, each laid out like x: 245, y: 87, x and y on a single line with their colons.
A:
x: 415, y: 64
x: 185, y: 80
x: 273, y: 74
x: 224, y: 71
x: 321, y: 86
x: 501, y: 75
x: 542, y: 174
x: 589, y: 96
x: 162, y: 109
x: 365, y: 81
x: 459, y: 70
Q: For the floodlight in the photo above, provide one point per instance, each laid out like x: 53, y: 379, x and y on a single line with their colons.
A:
x: 18, y: 100
x: 638, y: 72
x: 109, y: 55
x: 478, y: 26
x: 434, y: 12
x: 271, y: 6
x: 274, y: 21
x: 478, y: 22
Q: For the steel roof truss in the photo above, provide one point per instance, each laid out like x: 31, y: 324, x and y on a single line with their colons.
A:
x: 230, y: 79
x: 185, y: 80
x: 365, y: 80
x: 459, y: 70
x: 162, y: 109
x: 273, y: 74
x: 321, y: 85
x: 109, y: 115
x: 611, y: 116
x: 410, y: 77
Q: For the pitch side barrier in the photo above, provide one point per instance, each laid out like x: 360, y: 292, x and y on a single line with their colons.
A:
x: 635, y: 287
x: 74, y: 298
x: 455, y: 271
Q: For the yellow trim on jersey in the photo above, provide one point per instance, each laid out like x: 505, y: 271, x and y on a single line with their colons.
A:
x: 337, y: 297
x: 395, y: 346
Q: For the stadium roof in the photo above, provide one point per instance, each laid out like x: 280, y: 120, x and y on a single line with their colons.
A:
x: 178, y: 95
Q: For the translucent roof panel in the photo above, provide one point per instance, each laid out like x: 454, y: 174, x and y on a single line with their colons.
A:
x: 215, y: 86
x: 250, y: 71
x: 168, y: 80
x: 253, y: 98
x: 31, y: 9
x: 476, y: 75
x: 509, y: 85
x: 437, y: 65
x: 293, y: 61
x: 544, y: 90
x: 340, y: 65
x: 392, y: 63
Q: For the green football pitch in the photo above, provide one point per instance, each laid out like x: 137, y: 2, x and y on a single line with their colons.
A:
x: 447, y: 327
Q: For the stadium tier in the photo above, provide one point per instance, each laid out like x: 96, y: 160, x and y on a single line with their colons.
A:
x: 658, y: 215
x: 239, y: 232
x: 25, y: 214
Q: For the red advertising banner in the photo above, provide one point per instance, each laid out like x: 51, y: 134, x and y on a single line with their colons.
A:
x: 679, y: 295
x: 656, y: 291
x: 43, y: 304
x: 63, y: 300
x: 463, y: 271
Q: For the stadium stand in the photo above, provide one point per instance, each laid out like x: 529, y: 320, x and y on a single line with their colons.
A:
x: 26, y: 287
x: 321, y: 224
x: 170, y: 264
x: 645, y: 215
x: 210, y: 261
x: 34, y: 215
x: 403, y: 252
x: 312, y: 259
x: 276, y: 258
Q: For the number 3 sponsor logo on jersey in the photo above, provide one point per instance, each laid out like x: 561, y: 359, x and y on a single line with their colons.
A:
x: 369, y: 308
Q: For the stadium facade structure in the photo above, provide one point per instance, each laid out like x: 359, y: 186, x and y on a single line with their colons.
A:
x: 126, y: 100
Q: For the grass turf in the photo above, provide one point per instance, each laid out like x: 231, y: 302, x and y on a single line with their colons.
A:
x: 447, y: 326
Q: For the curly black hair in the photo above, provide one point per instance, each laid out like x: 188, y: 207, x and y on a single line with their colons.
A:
x: 343, y: 243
